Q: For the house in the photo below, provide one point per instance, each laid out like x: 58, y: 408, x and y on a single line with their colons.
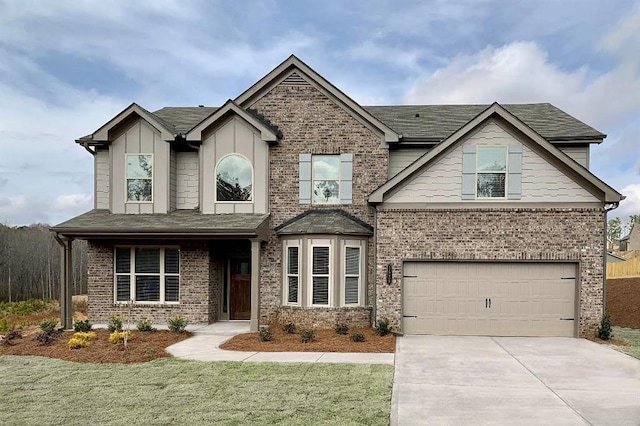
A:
x: 631, y: 241
x: 612, y: 258
x: 293, y: 203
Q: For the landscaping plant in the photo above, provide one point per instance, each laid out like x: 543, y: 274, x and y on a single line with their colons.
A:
x: 8, y: 338
x: 119, y: 337
x: 47, y: 337
x: 145, y: 326
x: 604, y: 332
x: 289, y: 328
x: 82, y: 326
x: 307, y: 336
x: 265, y: 334
x: 177, y: 324
x: 81, y: 339
x: 357, y: 337
x: 341, y: 328
x: 115, y: 324
x: 382, y: 327
x: 49, y: 325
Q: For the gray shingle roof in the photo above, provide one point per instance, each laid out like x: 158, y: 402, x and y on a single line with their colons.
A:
x: 439, y: 121
x: 334, y: 222
x: 184, y: 118
x: 177, y: 222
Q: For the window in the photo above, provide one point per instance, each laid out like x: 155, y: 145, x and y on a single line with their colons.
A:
x: 234, y: 179
x: 293, y: 275
x: 139, y: 178
x: 326, y: 179
x: 320, y: 275
x: 147, y: 274
x: 351, y: 275
x: 491, y: 170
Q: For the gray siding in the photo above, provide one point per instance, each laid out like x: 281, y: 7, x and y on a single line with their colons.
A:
x: 187, y: 180
x: 102, y: 179
x: 140, y: 138
x: 579, y: 154
x: 172, y: 180
x: 401, y: 158
x: 442, y: 181
x: 234, y: 136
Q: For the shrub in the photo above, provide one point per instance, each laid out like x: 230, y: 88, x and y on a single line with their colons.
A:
x: 48, y: 325
x: 341, y: 328
x: 289, y: 328
x: 265, y: 334
x: 82, y: 326
x: 115, y: 324
x: 77, y: 343
x: 177, y: 324
x: 357, y: 337
x: 604, y: 332
x: 145, y: 325
x: 307, y: 336
x: 47, y: 337
x: 86, y: 335
x: 12, y: 335
x: 382, y: 327
x: 119, y: 336
x: 4, y: 324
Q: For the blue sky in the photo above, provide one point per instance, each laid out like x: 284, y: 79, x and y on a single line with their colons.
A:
x: 67, y: 67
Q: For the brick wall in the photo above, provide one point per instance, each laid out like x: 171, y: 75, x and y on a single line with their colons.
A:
x: 310, y: 318
x: 497, y: 234
x: 195, y: 291
x: 312, y: 123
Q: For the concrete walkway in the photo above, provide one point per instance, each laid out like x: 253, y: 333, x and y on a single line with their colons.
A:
x: 204, y: 346
x: 448, y: 380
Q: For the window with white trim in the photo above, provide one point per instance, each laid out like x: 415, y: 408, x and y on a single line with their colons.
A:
x: 293, y: 275
x: 320, y: 275
x: 325, y: 171
x: 234, y: 179
x: 147, y: 274
x: 491, y: 171
x: 139, y: 178
x: 351, y: 275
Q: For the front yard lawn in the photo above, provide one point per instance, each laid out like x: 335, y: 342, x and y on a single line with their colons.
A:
x: 39, y: 390
x: 631, y: 337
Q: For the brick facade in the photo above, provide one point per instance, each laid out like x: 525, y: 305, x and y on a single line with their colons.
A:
x: 324, y: 317
x: 496, y: 234
x: 312, y: 123
x: 195, y: 291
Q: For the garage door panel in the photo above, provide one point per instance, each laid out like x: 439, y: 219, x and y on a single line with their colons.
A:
x: 527, y: 299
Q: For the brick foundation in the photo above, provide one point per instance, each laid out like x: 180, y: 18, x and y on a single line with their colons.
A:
x: 318, y: 318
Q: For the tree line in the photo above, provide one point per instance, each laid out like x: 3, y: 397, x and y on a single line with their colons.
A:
x: 617, y: 229
x: 30, y: 264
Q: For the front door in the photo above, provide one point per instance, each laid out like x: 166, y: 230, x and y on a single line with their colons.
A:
x: 240, y: 289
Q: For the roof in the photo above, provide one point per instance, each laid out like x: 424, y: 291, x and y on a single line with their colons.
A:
x: 334, y: 222
x: 612, y: 258
x: 608, y: 194
x: 439, y: 121
x: 96, y: 223
x: 184, y: 118
x: 628, y: 236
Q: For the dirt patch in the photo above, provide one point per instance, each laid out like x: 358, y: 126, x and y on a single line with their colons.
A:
x: 623, y: 301
x: 142, y: 347
x: 325, y: 341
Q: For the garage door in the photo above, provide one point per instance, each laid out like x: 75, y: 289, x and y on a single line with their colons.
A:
x: 496, y: 299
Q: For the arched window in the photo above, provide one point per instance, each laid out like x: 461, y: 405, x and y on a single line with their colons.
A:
x: 234, y: 179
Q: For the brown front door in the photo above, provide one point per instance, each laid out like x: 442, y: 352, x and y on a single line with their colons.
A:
x: 240, y: 293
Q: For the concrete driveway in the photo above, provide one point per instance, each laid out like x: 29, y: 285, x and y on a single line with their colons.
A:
x: 447, y: 380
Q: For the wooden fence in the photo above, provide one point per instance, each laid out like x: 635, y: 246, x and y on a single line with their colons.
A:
x: 630, y: 268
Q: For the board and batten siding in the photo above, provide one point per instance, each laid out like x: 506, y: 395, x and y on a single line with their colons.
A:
x: 102, y: 179
x: 187, y: 180
x: 140, y: 138
x: 234, y: 136
x: 580, y: 154
x: 401, y: 158
x: 442, y: 181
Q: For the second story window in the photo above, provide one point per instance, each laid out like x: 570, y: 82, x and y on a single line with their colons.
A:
x: 234, y: 179
x: 139, y: 178
x: 491, y: 172
x: 326, y: 179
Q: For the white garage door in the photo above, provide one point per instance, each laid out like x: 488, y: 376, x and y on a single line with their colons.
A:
x: 496, y: 299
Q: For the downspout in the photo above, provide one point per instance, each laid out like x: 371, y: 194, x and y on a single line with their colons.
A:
x: 88, y: 148
x: 611, y: 206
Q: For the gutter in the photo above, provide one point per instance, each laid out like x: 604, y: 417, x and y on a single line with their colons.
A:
x: 89, y: 150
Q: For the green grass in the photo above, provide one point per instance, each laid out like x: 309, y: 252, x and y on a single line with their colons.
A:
x: 37, y: 390
x: 632, y: 337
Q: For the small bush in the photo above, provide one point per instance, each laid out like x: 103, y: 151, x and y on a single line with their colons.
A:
x: 86, y: 335
x: 82, y: 326
x: 341, y: 328
x: 4, y: 325
x: 357, y: 337
x: 265, y: 334
x: 307, y: 336
x: 145, y: 326
x: 177, y: 324
x: 382, y: 327
x: 119, y: 336
x: 47, y: 337
x: 77, y: 343
x: 115, y: 324
x: 289, y: 328
x: 604, y: 332
x: 48, y: 325
x: 12, y: 335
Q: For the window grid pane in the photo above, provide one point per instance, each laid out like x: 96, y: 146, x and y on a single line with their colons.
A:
x: 320, y: 260
x: 234, y: 177
x: 292, y: 296
x: 492, y: 159
x: 148, y: 260
x: 123, y: 260
x: 292, y: 260
x: 326, y: 179
x: 123, y: 288
x: 352, y: 261
x: 147, y: 288
x: 171, y: 261
x: 171, y: 288
x: 320, y: 291
x: 351, y: 289
x: 491, y: 185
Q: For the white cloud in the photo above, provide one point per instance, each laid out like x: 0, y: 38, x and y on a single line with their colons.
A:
x: 73, y: 202
x: 631, y: 204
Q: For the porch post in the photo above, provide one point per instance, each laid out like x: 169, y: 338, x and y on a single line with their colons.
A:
x: 66, y: 278
x: 255, y: 285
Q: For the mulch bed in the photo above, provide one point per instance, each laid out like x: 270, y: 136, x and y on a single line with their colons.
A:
x: 325, y: 341
x: 142, y: 347
x: 623, y: 301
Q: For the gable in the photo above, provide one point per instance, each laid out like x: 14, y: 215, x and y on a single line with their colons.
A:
x: 541, y: 181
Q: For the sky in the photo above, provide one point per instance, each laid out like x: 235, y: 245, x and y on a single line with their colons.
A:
x: 68, y: 67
